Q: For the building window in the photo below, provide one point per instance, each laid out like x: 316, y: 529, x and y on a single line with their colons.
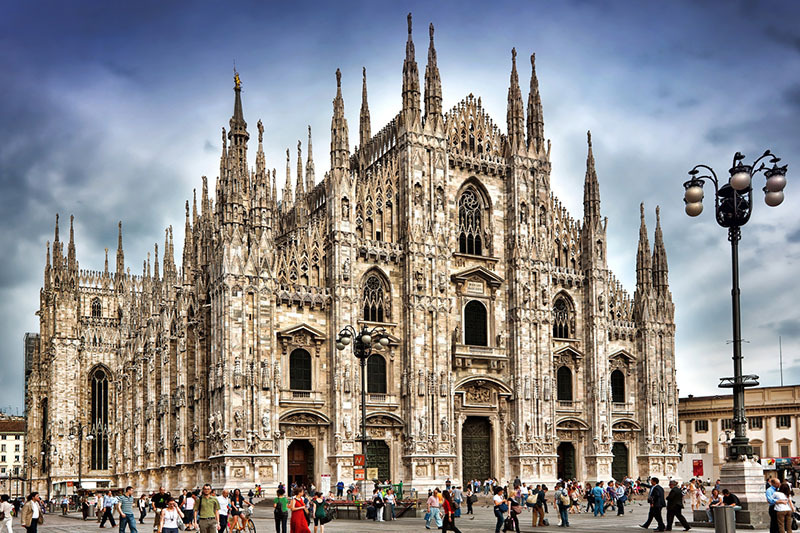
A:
x: 16, y: 447
x: 376, y: 304
x: 784, y: 450
x: 755, y: 422
x: 564, y: 386
x: 376, y: 374
x: 701, y: 448
x: 617, y: 386
x: 2, y: 470
x: 727, y: 423
x: 3, y: 448
x: 470, y: 222
x: 2, y: 458
x: 97, y: 308
x: 300, y: 370
x: 784, y: 421
x: 99, y: 388
x: 16, y: 458
x: 562, y: 319
x: 475, y: 325
x: 701, y: 426
x: 757, y: 450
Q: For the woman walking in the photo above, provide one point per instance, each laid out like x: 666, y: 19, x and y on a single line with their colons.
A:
x: 500, y: 508
x: 784, y: 508
x: 318, y: 508
x: 297, y: 506
x: 281, y: 513
x: 169, y: 517
x: 143, y: 505
x: 188, y: 511
x: 449, y: 509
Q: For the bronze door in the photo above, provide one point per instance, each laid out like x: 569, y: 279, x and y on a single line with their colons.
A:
x: 476, y: 450
x: 566, y: 461
x: 378, y: 457
x: 301, y: 462
x: 619, y: 466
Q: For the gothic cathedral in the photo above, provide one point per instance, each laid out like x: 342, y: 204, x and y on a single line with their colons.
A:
x: 513, y: 349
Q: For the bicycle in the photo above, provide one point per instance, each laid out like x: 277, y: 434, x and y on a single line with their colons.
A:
x: 246, y: 524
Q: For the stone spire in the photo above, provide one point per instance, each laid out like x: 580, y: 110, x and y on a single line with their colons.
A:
x: 591, y: 189
x: 300, y: 192
x: 120, y: 252
x: 433, y: 83
x: 535, y: 114
x: 105, y: 268
x: 364, y: 133
x: 287, y: 188
x: 644, y: 271
x: 156, y: 276
x: 515, y: 115
x: 261, y: 161
x: 72, y: 261
x: 238, y: 134
x: 660, y: 268
x: 188, y: 240
x: 310, y: 178
x: 274, y: 188
x: 340, y: 146
x: 411, y: 111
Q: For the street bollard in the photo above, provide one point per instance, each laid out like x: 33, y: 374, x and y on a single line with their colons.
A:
x: 724, y: 519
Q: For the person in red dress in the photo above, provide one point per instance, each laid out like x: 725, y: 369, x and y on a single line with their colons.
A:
x: 449, y: 510
x: 297, y: 506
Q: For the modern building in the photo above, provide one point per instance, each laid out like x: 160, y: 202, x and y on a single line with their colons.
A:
x: 12, y: 455
x: 773, y: 414
x: 514, y: 350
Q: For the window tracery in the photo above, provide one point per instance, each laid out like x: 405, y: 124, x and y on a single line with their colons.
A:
x: 375, y: 301
x: 470, y: 223
x: 563, y: 319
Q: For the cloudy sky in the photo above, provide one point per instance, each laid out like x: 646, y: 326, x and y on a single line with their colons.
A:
x: 114, y: 114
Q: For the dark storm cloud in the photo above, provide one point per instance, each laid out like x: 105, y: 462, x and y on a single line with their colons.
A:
x: 113, y: 112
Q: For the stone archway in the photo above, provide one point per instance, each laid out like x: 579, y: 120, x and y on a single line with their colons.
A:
x: 300, y: 463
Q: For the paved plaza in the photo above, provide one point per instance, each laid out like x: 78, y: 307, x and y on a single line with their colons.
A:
x: 483, y: 522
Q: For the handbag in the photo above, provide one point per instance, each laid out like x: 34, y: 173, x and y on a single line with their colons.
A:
x: 180, y: 523
x: 503, y: 507
x: 427, y: 516
x: 517, y: 509
x: 473, y: 498
x: 794, y: 524
x: 508, y: 525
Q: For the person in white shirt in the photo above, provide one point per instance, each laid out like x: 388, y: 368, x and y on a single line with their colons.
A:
x: 223, y: 510
x: 784, y: 508
x: 169, y: 517
x: 6, y: 508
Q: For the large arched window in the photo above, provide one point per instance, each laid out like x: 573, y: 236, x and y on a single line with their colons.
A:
x: 470, y: 222
x: 376, y: 374
x: 300, y: 370
x: 375, y: 300
x: 98, y: 384
x: 564, y: 378
x: 562, y: 319
x: 617, y: 386
x: 97, y: 308
x: 475, y: 324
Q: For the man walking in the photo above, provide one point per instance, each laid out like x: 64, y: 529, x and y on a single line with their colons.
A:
x: 125, y: 510
x: 622, y: 497
x: 223, y: 510
x: 109, y: 502
x: 675, y: 506
x: 774, y: 484
x: 31, y: 514
x: 159, y: 503
x: 599, y: 495
x: 657, y: 503
x: 208, y: 511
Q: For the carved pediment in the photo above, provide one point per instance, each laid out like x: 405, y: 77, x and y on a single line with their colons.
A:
x: 305, y: 418
x: 478, y: 273
x: 572, y: 423
x: 568, y: 351
x: 625, y: 424
x: 621, y: 356
x: 383, y: 419
x: 301, y: 330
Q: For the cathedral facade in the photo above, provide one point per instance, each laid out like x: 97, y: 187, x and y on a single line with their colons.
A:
x: 513, y: 349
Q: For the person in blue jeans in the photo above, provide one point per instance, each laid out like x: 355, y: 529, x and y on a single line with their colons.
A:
x: 599, y: 496
x: 500, y: 508
x: 125, y: 510
x: 561, y: 496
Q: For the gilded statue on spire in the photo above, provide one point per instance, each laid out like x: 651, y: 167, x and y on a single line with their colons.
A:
x: 236, y: 80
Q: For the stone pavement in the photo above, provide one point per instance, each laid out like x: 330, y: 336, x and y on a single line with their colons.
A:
x: 484, y: 523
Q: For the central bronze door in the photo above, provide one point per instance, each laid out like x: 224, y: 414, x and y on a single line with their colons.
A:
x: 301, y: 463
x: 476, y: 450
x: 378, y: 457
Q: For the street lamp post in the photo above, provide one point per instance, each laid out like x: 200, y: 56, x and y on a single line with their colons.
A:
x: 77, y: 431
x: 733, y: 207
x: 363, y: 343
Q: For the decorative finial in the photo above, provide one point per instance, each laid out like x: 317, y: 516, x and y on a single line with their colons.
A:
x: 514, y: 56
x: 533, y: 61
x: 430, y: 31
x: 364, y: 73
x: 287, y: 155
x: 299, y: 151
x: 589, y: 137
x: 309, y: 131
x: 338, y: 78
x: 641, y: 210
x: 409, y: 24
x: 236, y: 80
x: 658, y: 215
x: 260, y: 127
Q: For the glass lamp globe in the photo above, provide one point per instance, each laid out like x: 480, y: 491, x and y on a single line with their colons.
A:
x: 384, y: 341
x: 694, y: 208
x: 774, y: 199
x: 776, y: 182
x: 694, y: 194
x: 345, y: 339
x: 89, y: 437
x: 740, y: 180
x: 339, y: 346
x: 366, y: 338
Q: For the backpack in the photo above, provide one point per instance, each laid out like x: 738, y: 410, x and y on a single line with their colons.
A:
x: 564, y: 499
